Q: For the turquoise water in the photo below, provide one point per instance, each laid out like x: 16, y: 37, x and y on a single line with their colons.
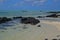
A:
x: 21, y: 13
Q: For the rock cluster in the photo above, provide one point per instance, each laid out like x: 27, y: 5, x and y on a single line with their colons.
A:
x: 25, y: 20
x: 30, y: 20
x: 4, y: 19
x: 52, y: 15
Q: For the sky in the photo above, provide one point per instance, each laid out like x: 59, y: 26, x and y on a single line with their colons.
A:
x: 29, y: 4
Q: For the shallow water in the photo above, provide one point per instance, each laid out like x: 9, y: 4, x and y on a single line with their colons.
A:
x: 21, y: 13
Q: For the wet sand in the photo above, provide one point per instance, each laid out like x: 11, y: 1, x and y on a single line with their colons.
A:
x: 48, y: 30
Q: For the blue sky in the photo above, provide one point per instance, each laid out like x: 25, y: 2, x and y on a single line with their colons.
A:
x: 29, y: 4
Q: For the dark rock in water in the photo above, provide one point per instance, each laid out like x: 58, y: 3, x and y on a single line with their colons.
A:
x: 39, y: 26
x: 39, y: 17
x: 4, y: 19
x: 30, y: 20
x: 52, y: 15
x: 17, y: 17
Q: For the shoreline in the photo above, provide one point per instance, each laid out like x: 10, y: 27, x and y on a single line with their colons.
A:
x: 47, y: 30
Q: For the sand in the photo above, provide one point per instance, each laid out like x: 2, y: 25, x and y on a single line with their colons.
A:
x: 54, y: 23
x: 48, y: 30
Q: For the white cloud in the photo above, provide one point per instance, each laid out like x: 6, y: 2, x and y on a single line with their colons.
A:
x: 32, y: 2
x: 21, y: 3
x: 36, y: 2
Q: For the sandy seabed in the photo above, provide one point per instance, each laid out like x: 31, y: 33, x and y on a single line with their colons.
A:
x: 48, y: 30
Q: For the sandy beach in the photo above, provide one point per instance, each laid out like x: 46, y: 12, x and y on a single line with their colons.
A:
x: 47, y: 30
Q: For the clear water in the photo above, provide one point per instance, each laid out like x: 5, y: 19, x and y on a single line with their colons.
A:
x: 21, y: 13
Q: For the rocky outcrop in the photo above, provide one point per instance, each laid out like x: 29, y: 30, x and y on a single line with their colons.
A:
x: 30, y: 20
x: 52, y: 15
x: 17, y: 17
x: 25, y: 20
x: 39, y: 17
x: 4, y: 19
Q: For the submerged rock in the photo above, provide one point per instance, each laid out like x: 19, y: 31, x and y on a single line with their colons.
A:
x: 30, y: 20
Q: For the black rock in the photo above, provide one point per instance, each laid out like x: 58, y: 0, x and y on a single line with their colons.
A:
x: 4, y: 19
x: 17, y: 17
x: 52, y: 15
x: 46, y: 39
x: 30, y: 20
x: 39, y: 17
x: 39, y: 26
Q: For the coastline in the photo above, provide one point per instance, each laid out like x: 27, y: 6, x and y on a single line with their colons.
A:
x: 48, y: 30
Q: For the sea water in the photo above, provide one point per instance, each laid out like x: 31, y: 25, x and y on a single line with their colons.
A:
x: 10, y: 29
x: 21, y: 13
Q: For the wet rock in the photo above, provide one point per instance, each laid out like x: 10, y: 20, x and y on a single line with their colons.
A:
x: 17, y: 17
x: 40, y: 17
x: 4, y: 19
x: 52, y: 15
x: 39, y: 26
x: 30, y: 20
